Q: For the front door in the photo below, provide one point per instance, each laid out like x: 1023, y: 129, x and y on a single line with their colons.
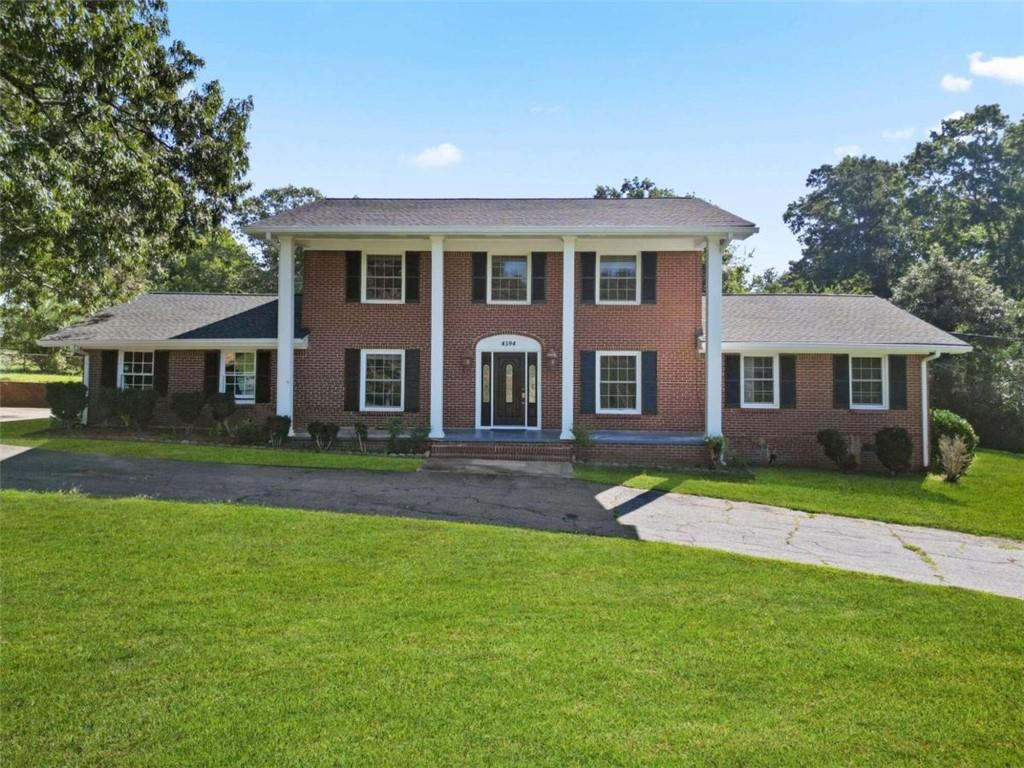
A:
x: 509, y: 390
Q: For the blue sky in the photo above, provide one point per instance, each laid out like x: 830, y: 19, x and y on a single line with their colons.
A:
x: 733, y: 102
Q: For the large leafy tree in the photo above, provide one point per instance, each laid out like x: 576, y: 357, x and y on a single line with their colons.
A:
x: 267, y: 203
x: 852, y: 222
x: 112, y: 156
x: 635, y: 188
x: 218, y: 263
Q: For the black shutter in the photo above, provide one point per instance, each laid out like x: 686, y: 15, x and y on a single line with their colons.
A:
x: 412, y: 277
x: 351, y: 378
x: 108, y: 368
x: 538, y: 278
x: 732, y: 381
x: 649, y: 277
x: 840, y: 381
x: 898, y: 382
x: 787, y: 381
x: 649, y: 382
x: 479, y: 278
x: 263, y: 376
x: 587, y: 384
x: 588, y: 272
x: 161, y: 362
x: 211, y: 373
x: 412, y: 380
x: 353, y: 275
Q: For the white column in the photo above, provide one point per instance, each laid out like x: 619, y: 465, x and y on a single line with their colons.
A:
x: 285, y: 327
x: 436, y: 337
x: 568, y: 333
x: 925, y: 436
x: 85, y: 380
x: 713, y: 340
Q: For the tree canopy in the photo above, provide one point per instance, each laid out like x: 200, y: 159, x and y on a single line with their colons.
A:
x: 635, y: 188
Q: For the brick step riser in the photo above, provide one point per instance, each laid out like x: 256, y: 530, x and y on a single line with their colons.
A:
x: 507, y: 451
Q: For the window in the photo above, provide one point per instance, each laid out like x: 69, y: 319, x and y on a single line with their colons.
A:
x: 239, y: 375
x: 760, y: 384
x: 136, y: 370
x: 382, y: 380
x: 618, y: 377
x: 617, y: 280
x: 868, y: 382
x: 383, y: 281
x: 510, y: 280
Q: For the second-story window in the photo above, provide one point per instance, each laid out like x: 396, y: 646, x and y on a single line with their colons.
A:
x: 383, y: 278
x: 509, y: 280
x: 618, y: 280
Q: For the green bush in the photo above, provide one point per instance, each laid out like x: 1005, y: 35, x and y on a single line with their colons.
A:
x: 395, y: 428
x: 362, y: 435
x: 949, y: 424
x: 141, y: 404
x: 67, y: 401
x: 188, y: 407
x: 115, y: 404
x: 894, y: 449
x: 278, y: 428
x: 222, y: 406
x: 417, y: 440
x: 581, y: 437
x: 837, y: 449
x: 324, y: 433
x: 717, y: 447
x: 955, y: 457
x: 248, y: 432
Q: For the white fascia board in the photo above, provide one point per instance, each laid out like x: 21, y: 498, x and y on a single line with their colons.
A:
x: 154, y: 344
x: 732, y: 233
x: 842, y: 349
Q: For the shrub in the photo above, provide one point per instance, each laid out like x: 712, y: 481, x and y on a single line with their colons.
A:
x: 417, y: 440
x: 362, y: 434
x: 717, y: 447
x: 894, y: 449
x: 188, y: 407
x: 67, y: 400
x: 222, y: 406
x: 115, y: 403
x: 278, y: 428
x: 582, y: 438
x: 954, y: 457
x: 248, y: 432
x: 395, y: 428
x: 949, y: 424
x: 141, y: 405
x: 324, y: 433
x: 837, y: 448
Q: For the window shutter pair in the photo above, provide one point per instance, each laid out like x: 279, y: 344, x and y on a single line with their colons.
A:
x: 411, y: 376
x: 648, y: 267
x: 354, y: 276
x: 897, y: 382
x: 648, y: 382
x: 733, y: 365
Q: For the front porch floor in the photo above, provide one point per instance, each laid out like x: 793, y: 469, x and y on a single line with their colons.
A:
x: 601, y: 436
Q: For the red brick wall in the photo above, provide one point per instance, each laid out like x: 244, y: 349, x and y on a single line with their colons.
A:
x: 667, y: 327
x: 790, y: 433
x: 335, y: 325
x: 466, y: 323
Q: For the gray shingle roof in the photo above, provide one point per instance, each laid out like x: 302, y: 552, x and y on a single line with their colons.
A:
x: 179, y: 316
x: 461, y: 214
x: 826, y: 319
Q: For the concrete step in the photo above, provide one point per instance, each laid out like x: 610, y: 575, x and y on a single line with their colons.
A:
x: 506, y: 451
x: 535, y: 468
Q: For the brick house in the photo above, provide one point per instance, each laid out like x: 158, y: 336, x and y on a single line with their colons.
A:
x: 501, y: 324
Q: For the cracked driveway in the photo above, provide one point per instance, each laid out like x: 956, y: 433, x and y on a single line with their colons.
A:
x: 911, y: 553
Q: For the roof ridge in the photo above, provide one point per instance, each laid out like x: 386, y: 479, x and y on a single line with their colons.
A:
x: 838, y: 295
x: 502, y: 199
x: 205, y: 293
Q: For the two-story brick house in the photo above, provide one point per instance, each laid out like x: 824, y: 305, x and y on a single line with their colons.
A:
x: 503, y: 323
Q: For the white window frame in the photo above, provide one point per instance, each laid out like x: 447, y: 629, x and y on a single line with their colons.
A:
x: 775, y: 382
x: 223, y: 384
x: 365, y: 274
x: 597, y: 383
x: 884, y: 405
x: 120, y: 366
x: 529, y: 277
x: 597, y: 280
x: 362, y: 382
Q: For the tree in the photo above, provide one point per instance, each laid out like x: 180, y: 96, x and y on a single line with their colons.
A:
x: 853, y: 222
x: 112, y: 157
x: 268, y: 203
x: 634, y: 188
x: 966, y: 188
x: 218, y: 264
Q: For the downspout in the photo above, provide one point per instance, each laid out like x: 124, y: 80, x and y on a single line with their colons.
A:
x: 925, y: 437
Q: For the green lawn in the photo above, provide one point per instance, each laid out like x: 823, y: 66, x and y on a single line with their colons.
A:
x: 144, y: 633
x: 41, y: 377
x: 988, y: 500
x: 22, y: 433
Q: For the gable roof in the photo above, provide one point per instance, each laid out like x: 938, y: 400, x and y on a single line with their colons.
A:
x: 675, y: 215
x: 827, y: 321
x: 178, y: 318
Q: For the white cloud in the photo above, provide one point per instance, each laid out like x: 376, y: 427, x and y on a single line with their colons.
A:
x: 438, y: 157
x: 846, y: 149
x: 951, y: 116
x: 898, y: 134
x: 1009, y: 69
x: 955, y: 84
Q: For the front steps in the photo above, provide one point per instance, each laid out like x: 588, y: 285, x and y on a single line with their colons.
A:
x: 505, y: 451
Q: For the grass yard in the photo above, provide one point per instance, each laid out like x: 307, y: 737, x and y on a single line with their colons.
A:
x: 988, y: 500
x: 24, y: 433
x: 45, y: 378
x: 145, y: 633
